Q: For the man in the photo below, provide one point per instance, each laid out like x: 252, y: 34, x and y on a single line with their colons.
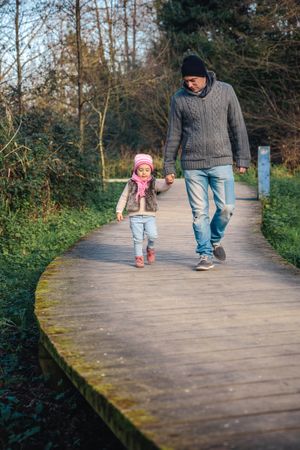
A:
x: 207, y: 122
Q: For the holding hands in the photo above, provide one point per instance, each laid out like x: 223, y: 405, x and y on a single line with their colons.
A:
x: 170, y: 178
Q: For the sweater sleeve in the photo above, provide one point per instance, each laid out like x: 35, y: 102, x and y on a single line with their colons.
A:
x: 161, y: 186
x: 174, y: 137
x: 122, y: 200
x: 238, y: 132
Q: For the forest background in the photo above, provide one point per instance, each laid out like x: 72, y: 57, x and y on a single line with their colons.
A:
x: 84, y: 85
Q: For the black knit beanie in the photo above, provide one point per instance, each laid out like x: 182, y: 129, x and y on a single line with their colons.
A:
x: 193, y: 66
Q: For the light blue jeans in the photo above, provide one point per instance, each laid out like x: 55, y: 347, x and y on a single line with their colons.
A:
x: 221, y: 181
x: 141, y: 225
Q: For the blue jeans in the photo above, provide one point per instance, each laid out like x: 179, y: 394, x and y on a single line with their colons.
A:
x: 221, y: 181
x: 141, y: 225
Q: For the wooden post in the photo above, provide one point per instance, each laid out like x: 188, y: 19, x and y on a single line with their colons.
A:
x: 263, y: 171
x: 54, y: 375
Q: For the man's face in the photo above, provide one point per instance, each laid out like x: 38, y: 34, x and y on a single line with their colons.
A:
x: 195, y: 84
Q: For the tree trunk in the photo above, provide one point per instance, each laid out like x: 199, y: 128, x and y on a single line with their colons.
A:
x: 18, y: 58
x: 101, y: 47
x: 102, y: 118
x: 79, y: 76
x: 133, y: 59
x: 126, y: 46
x: 109, y: 20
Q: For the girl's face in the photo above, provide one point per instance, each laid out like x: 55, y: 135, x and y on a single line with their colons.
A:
x: 143, y: 171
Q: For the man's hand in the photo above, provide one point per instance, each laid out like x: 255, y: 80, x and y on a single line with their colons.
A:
x: 242, y: 170
x: 119, y: 216
x: 170, y: 178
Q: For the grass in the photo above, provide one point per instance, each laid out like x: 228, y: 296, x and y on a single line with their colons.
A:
x: 281, y: 211
x: 33, y: 416
x: 281, y: 216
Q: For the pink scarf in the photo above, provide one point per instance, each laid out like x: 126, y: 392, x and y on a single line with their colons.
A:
x: 141, y: 184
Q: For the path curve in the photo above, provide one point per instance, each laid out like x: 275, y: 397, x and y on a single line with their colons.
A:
x: 172, y: 358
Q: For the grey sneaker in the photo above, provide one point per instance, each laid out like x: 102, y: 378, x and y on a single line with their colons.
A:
x: 205, y: 263
x: 219, y: 252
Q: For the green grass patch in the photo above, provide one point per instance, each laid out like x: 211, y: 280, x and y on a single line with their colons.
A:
x: 31, y: 415
x: 281, y: 216
x: 281, y: 211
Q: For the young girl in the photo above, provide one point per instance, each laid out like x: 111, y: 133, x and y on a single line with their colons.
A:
x: 139, y: 198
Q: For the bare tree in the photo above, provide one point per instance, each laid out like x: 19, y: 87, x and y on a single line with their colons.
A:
x: 126, y: 26
x: 134, y: 31
x: 18, y: 58
x: 79, y: 75
x: 100, y: 37
x: 100, y: 134
x: 21, y: 58
x: 112, y: 48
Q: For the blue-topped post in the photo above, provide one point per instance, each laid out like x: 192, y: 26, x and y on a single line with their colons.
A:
x: 263, y: 171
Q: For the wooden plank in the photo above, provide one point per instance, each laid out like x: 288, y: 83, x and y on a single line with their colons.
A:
x: 176, y: 359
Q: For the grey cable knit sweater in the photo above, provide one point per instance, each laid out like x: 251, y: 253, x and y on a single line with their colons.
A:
x: 209, y: 127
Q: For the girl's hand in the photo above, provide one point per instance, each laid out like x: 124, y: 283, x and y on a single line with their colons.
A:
x: 119, y: 216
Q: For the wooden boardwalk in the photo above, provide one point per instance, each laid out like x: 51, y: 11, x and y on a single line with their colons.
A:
x: 177, y: 359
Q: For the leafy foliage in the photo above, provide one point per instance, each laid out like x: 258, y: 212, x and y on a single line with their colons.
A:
x: 32, y: 416
x: 42, y: 164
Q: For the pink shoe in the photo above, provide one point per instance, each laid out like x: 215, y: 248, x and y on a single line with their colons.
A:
x: 139, y: 262
x: 150, y: 255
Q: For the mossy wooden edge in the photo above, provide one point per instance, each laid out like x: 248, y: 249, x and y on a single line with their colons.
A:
x: 123, y: 427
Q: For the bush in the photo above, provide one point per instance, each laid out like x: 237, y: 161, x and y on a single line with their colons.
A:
x: 41, y: 164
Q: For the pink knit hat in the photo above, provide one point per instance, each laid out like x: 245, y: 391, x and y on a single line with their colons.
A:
x: 143, y: 158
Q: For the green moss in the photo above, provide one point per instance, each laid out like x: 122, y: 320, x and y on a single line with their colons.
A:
x: 118, y: 410
x: 56, y: 330
x: 140, y: 416
x: 123, y: 403
x: 44, y: 305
